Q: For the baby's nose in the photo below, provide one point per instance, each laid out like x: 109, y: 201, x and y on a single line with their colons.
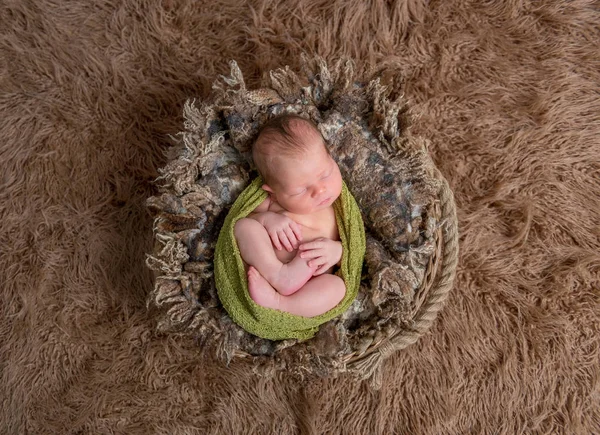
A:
x: 319, y: 191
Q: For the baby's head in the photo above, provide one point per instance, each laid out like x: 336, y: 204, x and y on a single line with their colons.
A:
x: 299, y: 173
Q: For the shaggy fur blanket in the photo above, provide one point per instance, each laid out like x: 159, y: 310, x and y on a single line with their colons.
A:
x: 507, y: 94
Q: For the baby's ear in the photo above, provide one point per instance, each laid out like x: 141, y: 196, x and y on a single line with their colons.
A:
x: 267, y: 188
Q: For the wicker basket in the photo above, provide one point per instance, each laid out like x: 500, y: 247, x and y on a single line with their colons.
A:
x: 193, y: 199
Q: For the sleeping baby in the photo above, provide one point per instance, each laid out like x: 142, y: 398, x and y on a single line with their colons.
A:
x: 290, y: 242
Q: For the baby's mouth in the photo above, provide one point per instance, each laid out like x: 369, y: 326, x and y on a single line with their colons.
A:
x: 325, y: 201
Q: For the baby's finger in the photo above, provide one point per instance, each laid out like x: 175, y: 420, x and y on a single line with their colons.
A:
x: 291, y: 237
x: 319, y: 261
x: 275, y: 240
x: 296, y: 228
x: 311, y: 253
x: 321, y: 269
x: 284, y: 241
x: 312, y: 245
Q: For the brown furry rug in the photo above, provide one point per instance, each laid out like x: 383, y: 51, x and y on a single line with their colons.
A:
x: 507, y: 93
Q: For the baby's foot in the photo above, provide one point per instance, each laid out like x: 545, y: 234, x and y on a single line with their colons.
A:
x: 292, y: 276
x: 261, y: 291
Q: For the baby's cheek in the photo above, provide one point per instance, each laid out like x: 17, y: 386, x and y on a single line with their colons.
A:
x: 338, y: 186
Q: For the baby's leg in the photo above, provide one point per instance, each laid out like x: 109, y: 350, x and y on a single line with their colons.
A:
x: 317, y: 296
x: 257, y: 250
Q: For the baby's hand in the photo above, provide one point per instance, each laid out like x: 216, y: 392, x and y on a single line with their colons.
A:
x: 322, y: 252
x: 283, y: 231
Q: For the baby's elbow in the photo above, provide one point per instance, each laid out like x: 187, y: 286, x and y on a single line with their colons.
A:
x: 243, y: 226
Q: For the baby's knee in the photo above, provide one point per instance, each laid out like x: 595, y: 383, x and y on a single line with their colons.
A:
x: 338, y: 288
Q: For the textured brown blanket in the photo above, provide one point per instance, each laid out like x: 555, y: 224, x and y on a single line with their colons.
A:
x: 508, y: 95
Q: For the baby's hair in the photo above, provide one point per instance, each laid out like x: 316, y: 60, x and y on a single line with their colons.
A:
x: 281, y: 134
x: 284, y: 135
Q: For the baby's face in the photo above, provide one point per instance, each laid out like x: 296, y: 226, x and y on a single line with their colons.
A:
x: 307, y: 183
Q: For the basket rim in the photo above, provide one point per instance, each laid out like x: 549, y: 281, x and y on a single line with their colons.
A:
x: 367, y: 365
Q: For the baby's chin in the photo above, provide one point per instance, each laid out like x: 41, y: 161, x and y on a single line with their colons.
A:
x: 311, y: 210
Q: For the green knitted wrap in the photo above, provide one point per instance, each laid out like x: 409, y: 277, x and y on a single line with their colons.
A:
x: 232, y: 283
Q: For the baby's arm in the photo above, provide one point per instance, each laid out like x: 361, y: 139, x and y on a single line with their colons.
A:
x: 262, y: 207
x: 283, y: 231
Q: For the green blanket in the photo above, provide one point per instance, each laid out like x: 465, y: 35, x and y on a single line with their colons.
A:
x: 232, y: 283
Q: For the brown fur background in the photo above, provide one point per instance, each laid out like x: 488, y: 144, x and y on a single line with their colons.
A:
x: 507, y: 93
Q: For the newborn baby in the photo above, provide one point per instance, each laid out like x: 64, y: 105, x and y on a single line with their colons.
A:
x: 290, y: 242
